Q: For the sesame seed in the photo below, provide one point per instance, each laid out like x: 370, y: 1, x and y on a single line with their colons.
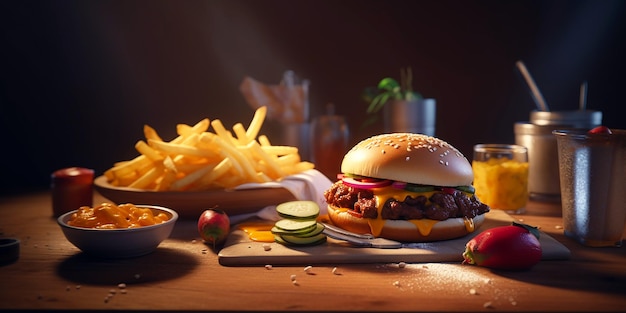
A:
x: 407, y: 158
x: 268, y: 266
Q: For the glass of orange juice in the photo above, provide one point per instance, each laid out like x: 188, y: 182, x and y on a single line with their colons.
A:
x: 501, y: 176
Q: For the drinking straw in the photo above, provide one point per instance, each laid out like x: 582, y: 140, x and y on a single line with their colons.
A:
x: 539, y: 100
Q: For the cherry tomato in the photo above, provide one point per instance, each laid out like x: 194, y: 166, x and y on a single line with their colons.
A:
x: 214, y: 226
x: 600, y: 130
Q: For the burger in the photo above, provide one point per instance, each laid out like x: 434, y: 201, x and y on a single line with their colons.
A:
x: 405, y: 187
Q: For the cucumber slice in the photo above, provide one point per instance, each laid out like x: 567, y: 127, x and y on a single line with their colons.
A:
x: 280, y: 240
x: 278, y: 231
x: 298, y: 210
x: 319, y: 228
x: 297, y: 226
x: 303, y: 241
x: 468, y: 189
x: 419, y: 188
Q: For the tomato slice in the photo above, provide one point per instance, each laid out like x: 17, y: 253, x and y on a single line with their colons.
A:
x: 399, y: 184
x: 368, y: 183
x: 448, y: 190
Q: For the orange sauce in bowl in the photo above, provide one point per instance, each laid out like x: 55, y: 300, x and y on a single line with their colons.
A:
x: 111, y: 216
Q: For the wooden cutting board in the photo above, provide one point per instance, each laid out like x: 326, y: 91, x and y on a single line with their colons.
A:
x: 239, y: 250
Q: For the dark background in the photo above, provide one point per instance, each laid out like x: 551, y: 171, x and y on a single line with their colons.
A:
x: 79, y: 79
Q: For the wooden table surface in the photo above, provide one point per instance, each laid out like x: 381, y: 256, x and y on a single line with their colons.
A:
x: 184, y: 275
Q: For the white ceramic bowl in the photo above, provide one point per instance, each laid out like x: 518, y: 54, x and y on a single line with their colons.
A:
x: 119, y: 243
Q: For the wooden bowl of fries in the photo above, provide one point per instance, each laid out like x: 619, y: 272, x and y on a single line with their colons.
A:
x: 190, y: 204
x: 204, y: 166
x: 119, y: 242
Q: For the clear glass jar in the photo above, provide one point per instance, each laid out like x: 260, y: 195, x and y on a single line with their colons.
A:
x: 501, y: 176
x: 329, y: 143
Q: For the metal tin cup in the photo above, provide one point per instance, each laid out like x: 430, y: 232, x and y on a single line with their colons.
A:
x: 573, y: 118
x: 592, y: 171
x: 501, y: 176
x: 543, y: 171
x: 536, y: 135
x: 417, y: 116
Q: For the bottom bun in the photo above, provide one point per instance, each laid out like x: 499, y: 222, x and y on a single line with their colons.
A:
x: 402, y: 230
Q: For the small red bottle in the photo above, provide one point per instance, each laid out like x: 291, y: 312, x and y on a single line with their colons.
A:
x: 71, y: 188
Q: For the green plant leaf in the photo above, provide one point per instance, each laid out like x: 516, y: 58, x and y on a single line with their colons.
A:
x: 388, y: 84
x: 378, y: 102
x: 389, y: 89
x: 370, y: 120
x: 532, y: 229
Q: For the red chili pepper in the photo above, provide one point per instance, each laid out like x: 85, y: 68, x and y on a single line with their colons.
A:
x: 514, y: 247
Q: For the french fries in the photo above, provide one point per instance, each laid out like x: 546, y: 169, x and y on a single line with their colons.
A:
x: 199, y: 159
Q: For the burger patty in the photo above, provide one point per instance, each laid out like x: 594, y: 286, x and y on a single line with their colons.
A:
x: 442, y: 205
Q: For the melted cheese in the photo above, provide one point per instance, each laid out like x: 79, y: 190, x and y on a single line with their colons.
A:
x: 262, y: 236
x: 424, y: 226
x: 258, y: 231
x: 469, y: 224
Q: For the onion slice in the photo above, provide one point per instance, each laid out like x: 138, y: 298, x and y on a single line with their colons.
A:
x: 369, y: 183
x: 399, y: 184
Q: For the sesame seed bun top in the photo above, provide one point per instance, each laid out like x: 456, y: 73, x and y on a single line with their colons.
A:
x: 411, y: 158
